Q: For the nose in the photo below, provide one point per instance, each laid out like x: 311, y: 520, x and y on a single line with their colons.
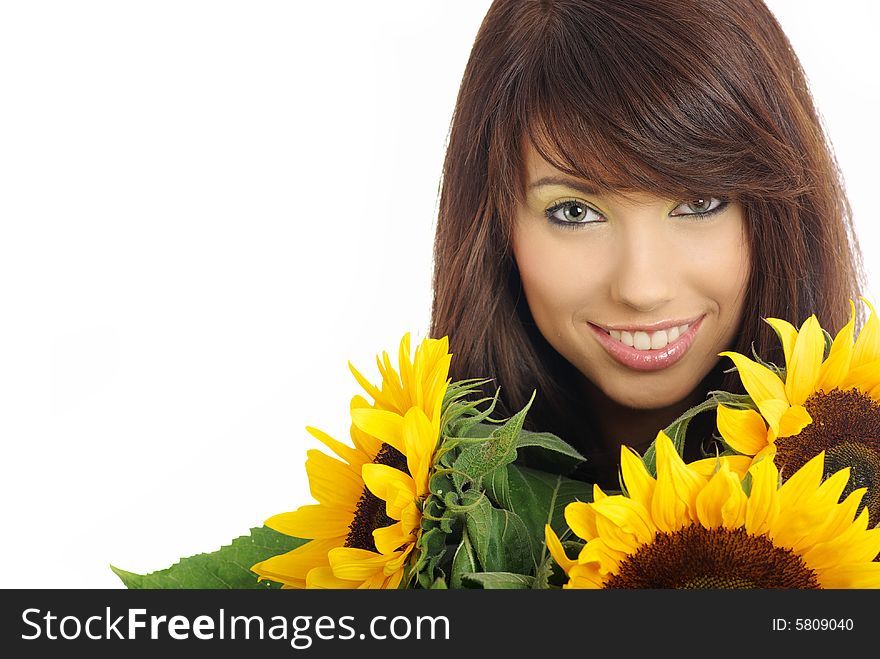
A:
x: 643, y: 278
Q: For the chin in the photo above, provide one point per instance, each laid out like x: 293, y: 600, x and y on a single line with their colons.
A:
x: 647, y: 399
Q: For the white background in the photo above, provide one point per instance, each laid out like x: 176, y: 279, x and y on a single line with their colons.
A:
x: 206, y: 210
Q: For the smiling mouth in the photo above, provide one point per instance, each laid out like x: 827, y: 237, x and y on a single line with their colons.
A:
x: 648, y: 340
x: 648, y: 349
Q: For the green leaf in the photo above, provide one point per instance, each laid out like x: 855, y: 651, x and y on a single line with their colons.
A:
x: 539, y: 498
x: 432, y: 551
x: 228, y: 567
x: 552, y: 443
x: 500, y: 539
x: 497, y: 486
x: 829, y: 341
x: 495, y: 451
x: 497, y: 580
x: 461, y: 411
x: 464, y: 562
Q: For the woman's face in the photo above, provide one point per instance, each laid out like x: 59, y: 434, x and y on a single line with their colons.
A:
x: 638, y: 292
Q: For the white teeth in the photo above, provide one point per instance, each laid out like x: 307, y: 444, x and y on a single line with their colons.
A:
x: 659, y: 340
x: 641, y: 341
x: 649, y: 340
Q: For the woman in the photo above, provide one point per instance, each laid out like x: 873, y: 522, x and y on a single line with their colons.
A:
x: 629, y: 188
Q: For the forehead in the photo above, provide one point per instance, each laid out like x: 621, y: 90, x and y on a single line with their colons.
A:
x: 541, y: 177
x: 577, y: 166
x: 589, y: 172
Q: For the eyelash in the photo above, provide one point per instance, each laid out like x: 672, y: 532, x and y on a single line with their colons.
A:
x: 723, y: 203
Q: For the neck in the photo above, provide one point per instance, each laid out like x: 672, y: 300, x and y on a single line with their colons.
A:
x: 618, y: 425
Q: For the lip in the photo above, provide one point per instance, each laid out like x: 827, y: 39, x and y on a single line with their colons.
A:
x: 648, y: 360
x: 651, y: 327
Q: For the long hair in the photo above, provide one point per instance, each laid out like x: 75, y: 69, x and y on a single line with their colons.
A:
x: 666, y: 96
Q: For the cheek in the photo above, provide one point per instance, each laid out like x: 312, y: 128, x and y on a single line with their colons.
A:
x: 554, y: 277
x: 723, y: 269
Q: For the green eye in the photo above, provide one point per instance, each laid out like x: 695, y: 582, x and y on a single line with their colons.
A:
x: 572, y: 213
x: 699, y: 206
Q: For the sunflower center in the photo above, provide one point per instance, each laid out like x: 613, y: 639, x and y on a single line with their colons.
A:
x: 370, y: 513
x: 696, y: 557
x: 846, y: 425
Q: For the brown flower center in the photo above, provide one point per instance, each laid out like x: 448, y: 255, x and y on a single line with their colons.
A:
x: 370, y: 513
x: 698, y: 558
x: 846, y: 425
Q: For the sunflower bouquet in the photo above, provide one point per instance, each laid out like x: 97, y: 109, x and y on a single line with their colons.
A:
x: 428, y: 493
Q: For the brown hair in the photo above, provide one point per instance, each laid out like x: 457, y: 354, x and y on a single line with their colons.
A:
x: 668, y: 96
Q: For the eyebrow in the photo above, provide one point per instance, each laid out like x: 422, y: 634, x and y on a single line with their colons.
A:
x: 567, y: 182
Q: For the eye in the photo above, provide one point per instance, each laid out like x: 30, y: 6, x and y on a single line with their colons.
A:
x: 572, y: 213
x: 700, y: 207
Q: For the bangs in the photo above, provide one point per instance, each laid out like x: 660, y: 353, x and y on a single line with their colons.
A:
x: 641, y: 105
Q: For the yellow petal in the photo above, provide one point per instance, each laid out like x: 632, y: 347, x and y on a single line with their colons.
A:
x: 581, y: 519
x: 313, y: 522
x: 396, y: 561
x: 614, y: 536
x: 674, y: 502
x: 845, y: 513
x: 804, y: 481
x: 391, y: 538
x: 853, y: 545
x: 787, y: 334
x: 804, y: 518
x: 743, y: 430
x: 867, y: 347
x: 323, y: 577
x: 605, y: 558
x: 351, y: 455
x: 585, y: 576
x: 406, y: 366
x: 368, y: 386
x: 773, y: 410
x: 333, y: 482
x: 393, y: 582
x: 367, y: 444
x: 802, y: 372
x: 420, y: 442
x: 356, y: 564
x: 762, y: 508
x: 837, y: 365
x: 864, y: 575
x: 411, y: 517
x: 628, y: 515
x: 639, y: 483
x: 391, y: 485
x: 557, y: 551
x: 293, y: 566
x: 865, y: 378
x: 722, y: 503
x: 760, y: 382
x: 793, y: 421
x: 381, y: 424
x: 738, y: 464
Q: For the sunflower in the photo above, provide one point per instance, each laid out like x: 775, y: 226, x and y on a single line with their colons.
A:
x: 687, y: 530
x: 421, y: 382
x: 365, y: 524
x: 822, y: 403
